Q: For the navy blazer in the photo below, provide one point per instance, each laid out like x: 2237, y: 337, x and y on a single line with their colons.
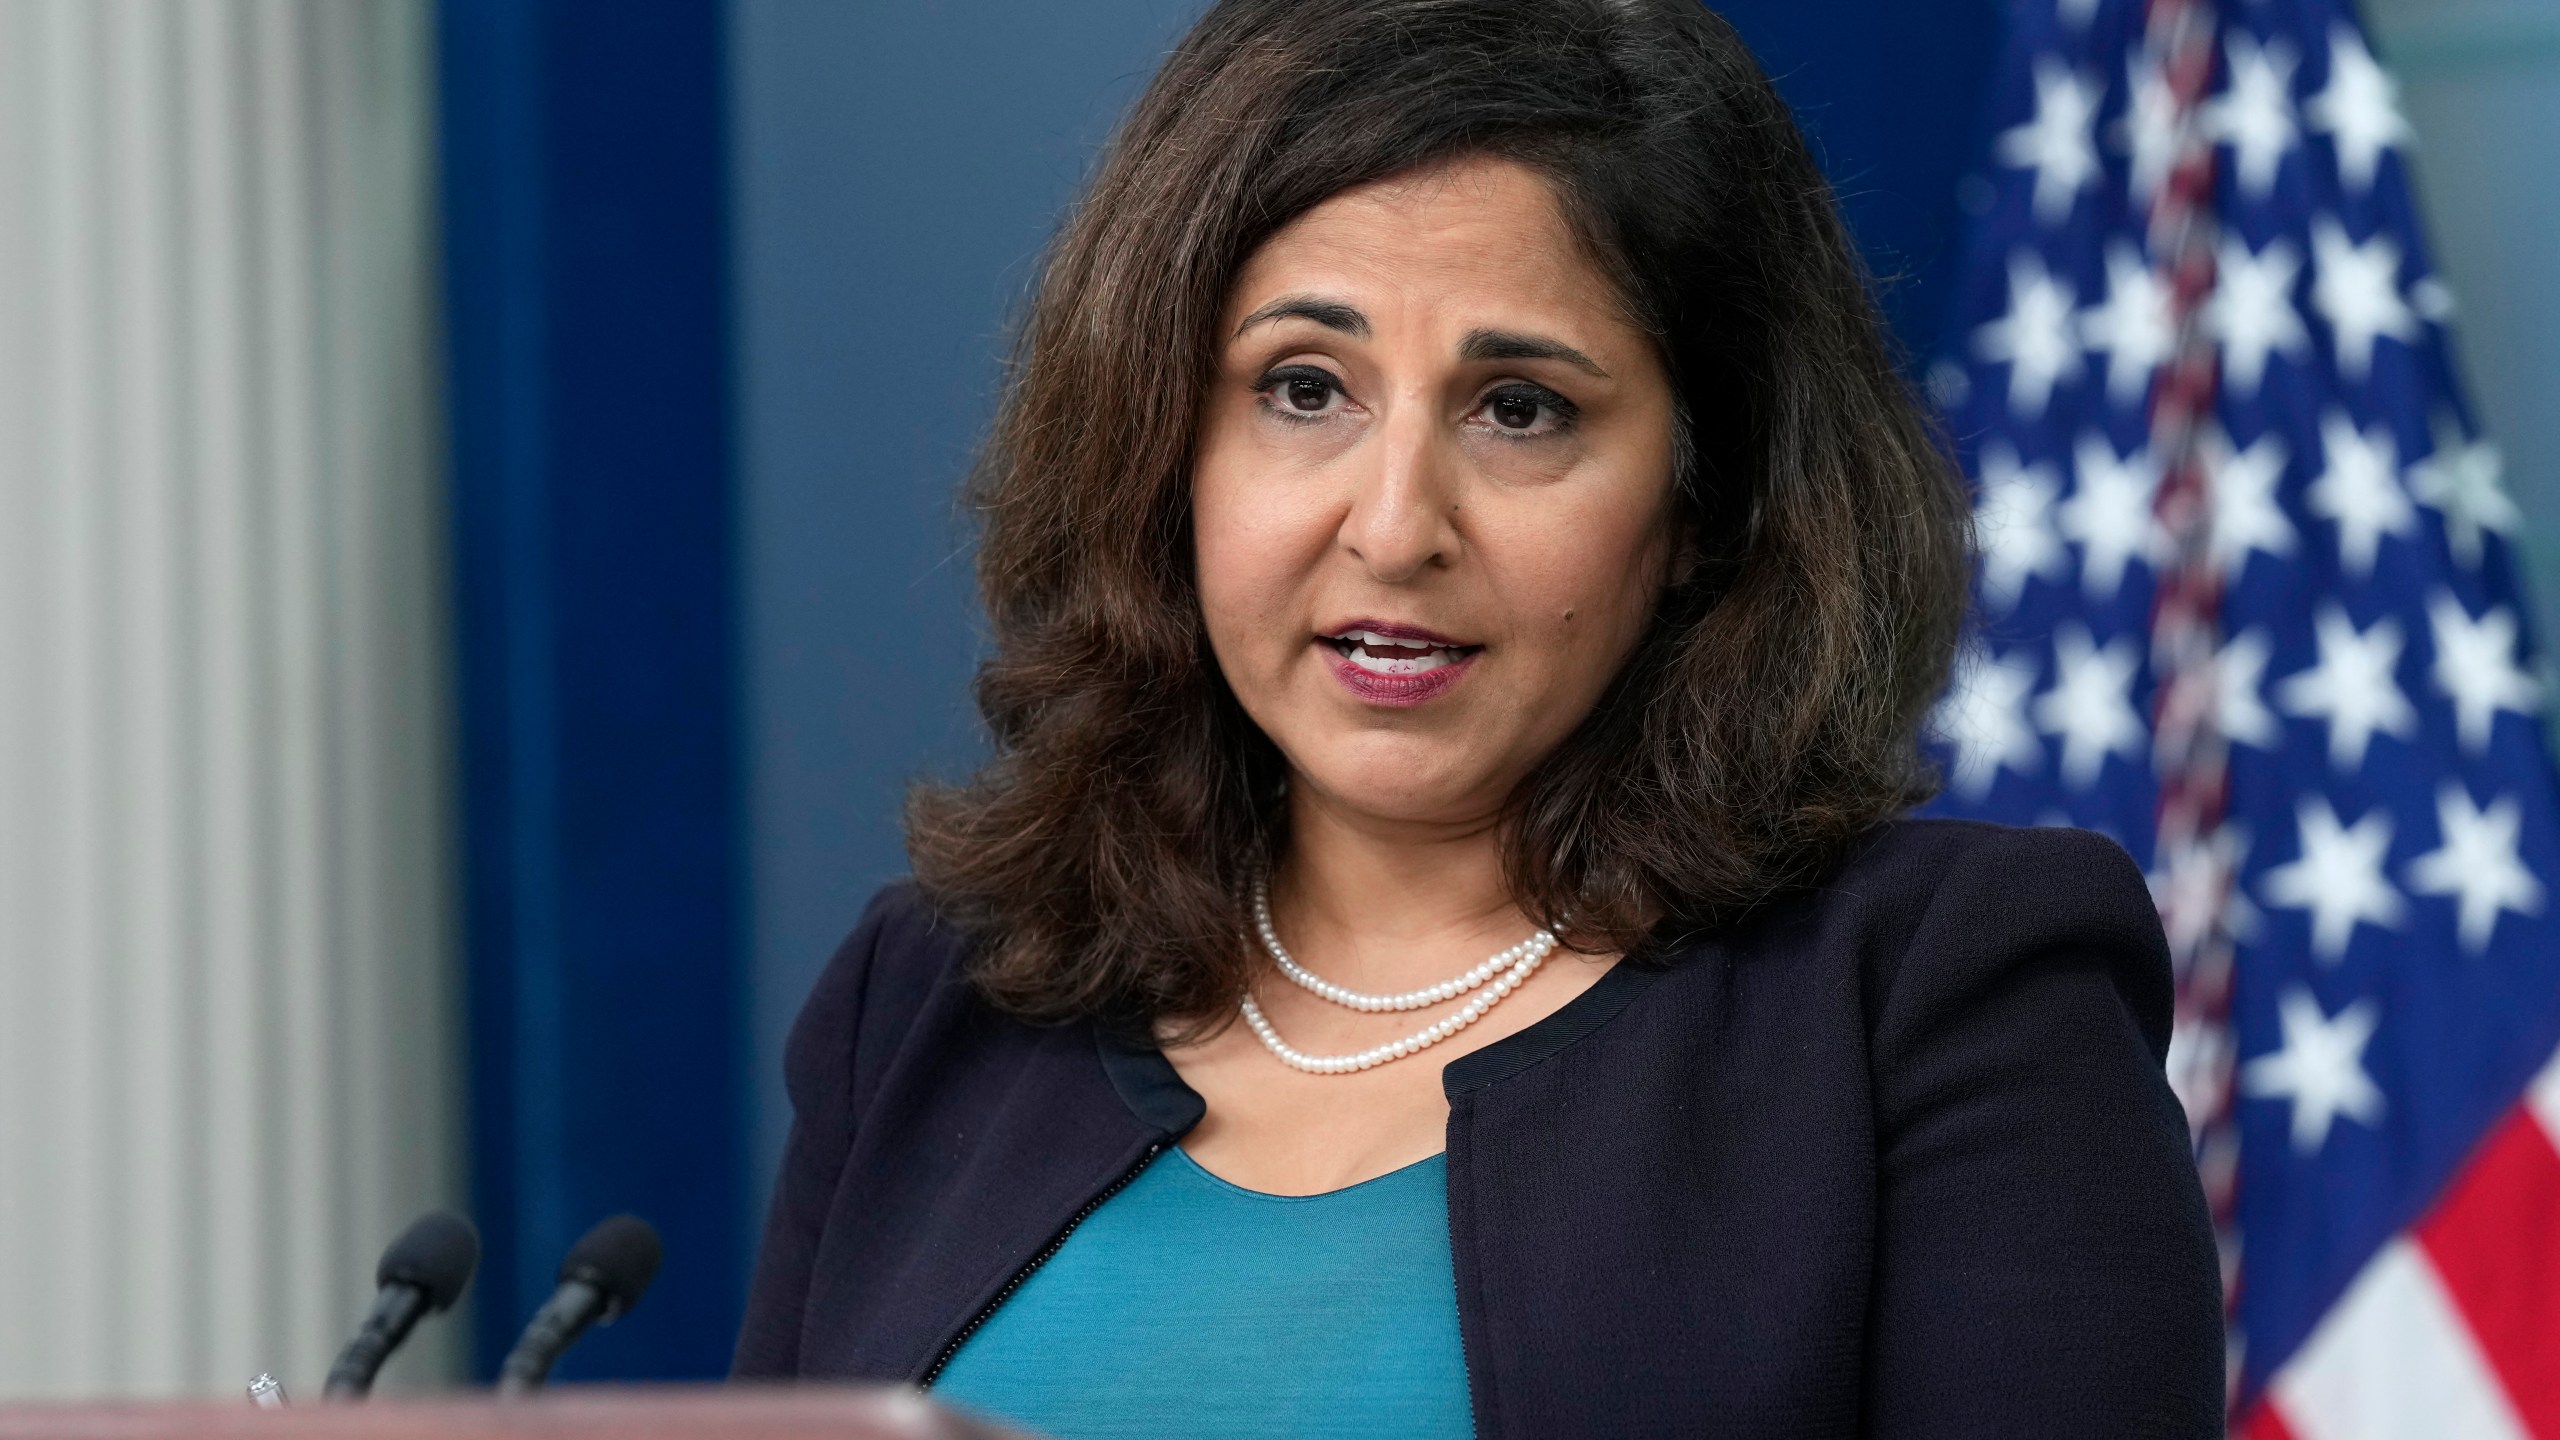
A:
x: 1893, y: 1157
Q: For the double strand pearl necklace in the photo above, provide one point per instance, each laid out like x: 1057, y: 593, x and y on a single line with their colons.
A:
x: 1512, y: 966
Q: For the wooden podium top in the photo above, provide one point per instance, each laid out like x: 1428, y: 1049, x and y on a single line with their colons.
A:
x: 569, y: 1413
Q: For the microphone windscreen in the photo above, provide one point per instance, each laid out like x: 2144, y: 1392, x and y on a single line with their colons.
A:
x: 437, y: 1253
x: 619, y: 1257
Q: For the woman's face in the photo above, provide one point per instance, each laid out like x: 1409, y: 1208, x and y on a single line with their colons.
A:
x: 1432, y: 492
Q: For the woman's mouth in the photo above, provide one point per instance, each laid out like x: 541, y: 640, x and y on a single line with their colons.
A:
x: 1393, y: 655
x: 1396, y: 664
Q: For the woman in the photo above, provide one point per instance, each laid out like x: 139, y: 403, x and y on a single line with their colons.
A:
x: 1434, y: 950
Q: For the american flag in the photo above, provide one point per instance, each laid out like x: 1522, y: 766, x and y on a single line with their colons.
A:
x: 2248, y: 603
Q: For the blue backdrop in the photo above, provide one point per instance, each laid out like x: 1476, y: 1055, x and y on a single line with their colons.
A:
x: 729, y: 283
x: 584, y: 161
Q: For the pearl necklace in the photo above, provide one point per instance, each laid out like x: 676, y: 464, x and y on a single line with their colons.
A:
x: 1541, y: 942
x: 1513, y: 966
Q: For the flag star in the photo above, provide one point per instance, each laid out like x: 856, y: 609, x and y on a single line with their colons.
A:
x: 2091, y: 703
x: 2254, y: 113
x: 2320, y: 1067
x: 2475, y: 664
x: 2013, y: 526
x: 1983, y: 718
x: 2357, y: 290
x: 2351, y: 687
x: 2133, y: 327
x: 2239, y: 669
x: 2338, y: 877
x: 2036, y: 337
x: 2198, y: 1066
x: 2251, y: 310
x: 2075, y: 13
x: 2360, y: 109
x: 2432, y: 298
x: 2360, y: 490
x: 2109, y: 513
x: 2058, y: 143
x: 2477, y: 864
x: 2196, y: 893
x: 2246, y: 514
x: 2460, y: 479
x: 2149, y: 133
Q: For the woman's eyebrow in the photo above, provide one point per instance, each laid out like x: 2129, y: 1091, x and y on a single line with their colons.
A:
x: 1510, y: 345
x: 1331, y: 314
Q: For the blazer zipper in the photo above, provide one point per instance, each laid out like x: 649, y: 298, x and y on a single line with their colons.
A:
x: 1056, y: 1243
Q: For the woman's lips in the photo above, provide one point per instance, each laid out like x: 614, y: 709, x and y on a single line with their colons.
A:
x: 1398, y: 665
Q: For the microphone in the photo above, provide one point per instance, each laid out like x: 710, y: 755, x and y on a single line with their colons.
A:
x: 604, y: 1275
x: 423, y: 1272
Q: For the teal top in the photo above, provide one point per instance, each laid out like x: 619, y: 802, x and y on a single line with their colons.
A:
x: 1187, y: 1306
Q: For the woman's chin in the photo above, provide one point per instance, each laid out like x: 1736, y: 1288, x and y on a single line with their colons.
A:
x: 1405, y: 795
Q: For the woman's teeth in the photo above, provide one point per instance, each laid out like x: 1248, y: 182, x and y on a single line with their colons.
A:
x: 1380, y: 655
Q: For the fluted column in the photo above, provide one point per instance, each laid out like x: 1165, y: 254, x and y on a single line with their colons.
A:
x: 226, y: 978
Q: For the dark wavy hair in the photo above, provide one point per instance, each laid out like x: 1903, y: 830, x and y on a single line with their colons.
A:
x: 1765, y: 719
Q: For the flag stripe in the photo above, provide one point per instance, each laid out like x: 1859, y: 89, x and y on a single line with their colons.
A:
x: 2393, y: 1359
x: 2493, y: 1242
x: 2543, y: 1099
x: 2265, y: 1422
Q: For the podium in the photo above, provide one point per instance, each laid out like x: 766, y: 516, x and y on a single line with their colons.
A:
x: 567, y: 1413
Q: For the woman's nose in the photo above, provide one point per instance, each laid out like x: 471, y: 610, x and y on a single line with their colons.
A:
x: 1403, y: 519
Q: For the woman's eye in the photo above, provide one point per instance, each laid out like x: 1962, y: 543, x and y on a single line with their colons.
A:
x: 1300, y: 393
x: 1524, y: 411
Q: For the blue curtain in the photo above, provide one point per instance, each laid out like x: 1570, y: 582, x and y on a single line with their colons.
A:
x: 585, y: 210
